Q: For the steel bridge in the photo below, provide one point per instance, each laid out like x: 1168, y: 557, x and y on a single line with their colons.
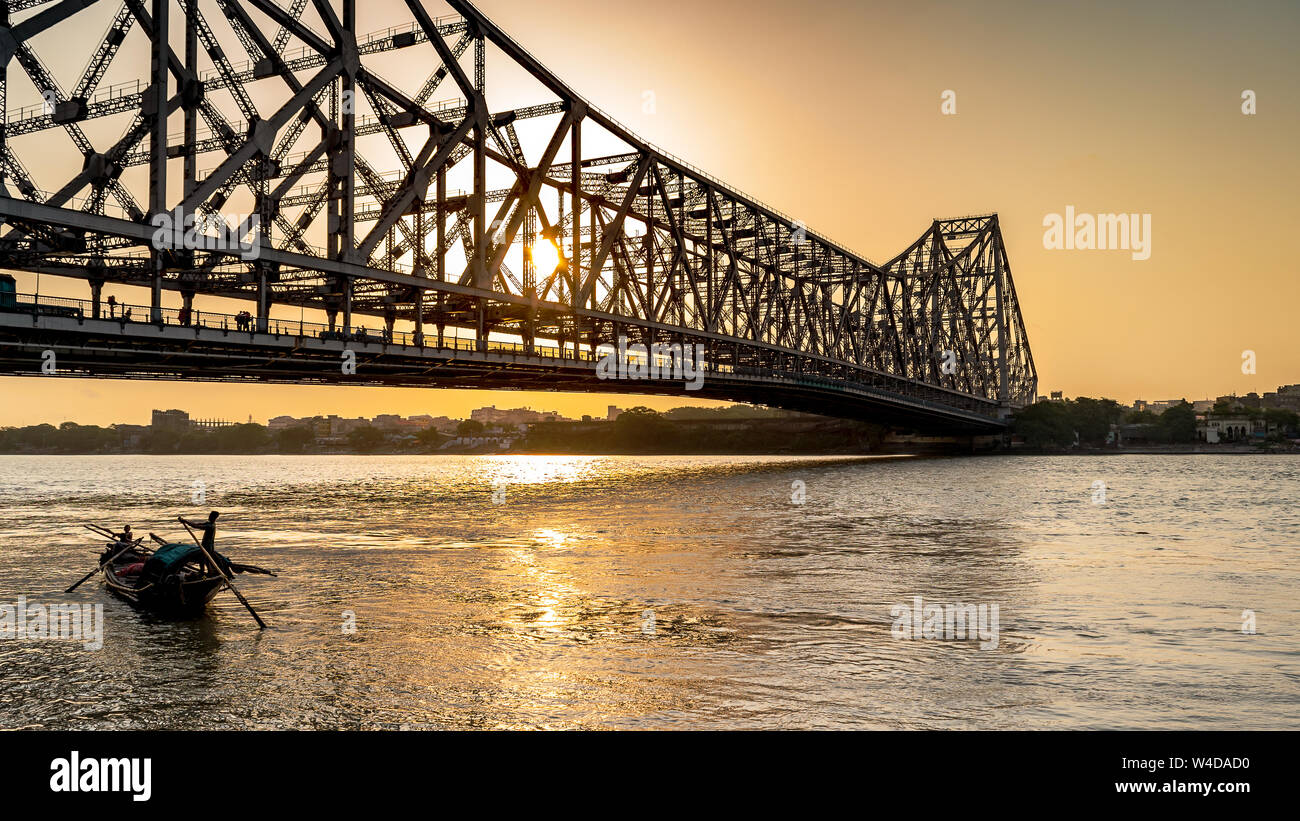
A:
x: 436, y: 239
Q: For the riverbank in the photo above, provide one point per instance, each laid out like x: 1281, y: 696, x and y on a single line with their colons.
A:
x: 1166, y: 450
x: 757, y: 449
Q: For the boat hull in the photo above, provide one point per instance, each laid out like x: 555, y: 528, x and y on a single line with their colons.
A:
x: 170, y: 597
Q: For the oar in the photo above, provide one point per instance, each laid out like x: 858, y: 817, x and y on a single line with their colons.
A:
x: 102, y: 531
x: 238, y: 568
x: 260, y: 624
x: 110, y: 535
x: 86, y: 578
x: 248, y: 568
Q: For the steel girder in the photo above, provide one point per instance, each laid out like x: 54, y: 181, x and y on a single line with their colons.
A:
x: 348, y: 173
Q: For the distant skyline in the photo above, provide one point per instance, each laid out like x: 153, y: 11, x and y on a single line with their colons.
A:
x: 100, y: 402
x: 832, y: 113
x: 599, y: 405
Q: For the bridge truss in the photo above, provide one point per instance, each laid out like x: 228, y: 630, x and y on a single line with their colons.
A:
x: 547, y: 224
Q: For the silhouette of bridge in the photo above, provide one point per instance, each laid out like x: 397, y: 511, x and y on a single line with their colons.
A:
x: 439, y: 243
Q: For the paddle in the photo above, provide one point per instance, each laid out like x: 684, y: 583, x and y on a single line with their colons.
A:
x: 261, y: 625
x: 102, y: 531
x: 86, y: 578
x: 238, y: 568
x: 248, y: 568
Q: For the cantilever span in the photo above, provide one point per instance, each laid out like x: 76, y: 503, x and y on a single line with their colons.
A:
x: 370, y: 180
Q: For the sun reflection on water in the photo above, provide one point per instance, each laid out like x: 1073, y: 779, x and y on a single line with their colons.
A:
x: 540, y: 470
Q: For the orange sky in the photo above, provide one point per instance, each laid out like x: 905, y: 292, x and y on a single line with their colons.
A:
x: 830, y: 111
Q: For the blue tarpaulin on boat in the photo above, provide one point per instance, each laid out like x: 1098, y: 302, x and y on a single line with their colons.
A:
x: 170, y: 558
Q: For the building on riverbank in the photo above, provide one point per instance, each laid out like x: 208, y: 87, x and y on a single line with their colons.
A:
x: 518, y: 416
x: 1213, y: 429
x: 1286, y: 397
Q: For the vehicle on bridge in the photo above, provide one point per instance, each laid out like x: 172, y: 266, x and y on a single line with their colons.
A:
x: 9, y: 302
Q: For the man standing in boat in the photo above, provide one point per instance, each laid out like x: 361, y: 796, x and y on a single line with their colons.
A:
x: 209, y: 541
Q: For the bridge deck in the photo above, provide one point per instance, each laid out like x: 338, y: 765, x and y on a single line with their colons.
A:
x: 212, y: 348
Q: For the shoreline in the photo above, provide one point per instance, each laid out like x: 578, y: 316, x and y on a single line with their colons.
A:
x: 840, y: 453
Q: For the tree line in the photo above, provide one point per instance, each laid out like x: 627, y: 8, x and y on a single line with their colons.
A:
x: 642, y: 430
x: 1056, y: 425
x: 72, y: 438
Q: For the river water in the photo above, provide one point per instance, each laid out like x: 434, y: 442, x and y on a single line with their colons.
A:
x: 673, y: 592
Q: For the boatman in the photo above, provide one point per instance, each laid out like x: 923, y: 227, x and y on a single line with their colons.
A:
x: 122, y: 540
x: 209, y: 529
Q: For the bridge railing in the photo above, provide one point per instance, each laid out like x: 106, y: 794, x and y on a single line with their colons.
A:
x: 127, y: 313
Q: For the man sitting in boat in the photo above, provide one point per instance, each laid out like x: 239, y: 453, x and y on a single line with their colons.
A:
x: 209, y: 529
x: 131, y: 560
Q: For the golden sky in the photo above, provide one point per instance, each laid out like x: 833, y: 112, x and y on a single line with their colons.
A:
x: 830, y: 111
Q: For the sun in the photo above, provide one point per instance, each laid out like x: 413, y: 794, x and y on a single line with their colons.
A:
x: 546, y: 257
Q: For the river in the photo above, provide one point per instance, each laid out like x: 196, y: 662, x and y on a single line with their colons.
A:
x: 583, y: 592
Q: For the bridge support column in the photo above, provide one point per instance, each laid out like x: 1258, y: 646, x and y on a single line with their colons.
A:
x: 575, y: 250
x: 347, y: 306
x: 155, y: 288
x: 419, y: 318
x: 187, y: 300
x: 483, y: 233
x: 1004, y: 375
x: 96, y: 291
x: 155, y: 107
x: 263, y: 301
x: 440, y: 215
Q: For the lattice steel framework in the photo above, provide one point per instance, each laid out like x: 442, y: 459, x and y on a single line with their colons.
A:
x: 281, y: 106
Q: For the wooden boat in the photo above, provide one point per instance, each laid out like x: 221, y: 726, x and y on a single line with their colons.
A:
x: 171, y: 580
